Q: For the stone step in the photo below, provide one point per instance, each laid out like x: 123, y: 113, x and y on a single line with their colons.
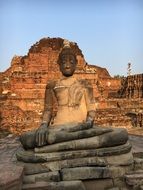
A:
x: 138, y: 163
x: 134, y: 178
x: 82, y: 173
x: 91, y: 153
x: 93, y: 173
x: 63, y: 185
x: 47, y: 177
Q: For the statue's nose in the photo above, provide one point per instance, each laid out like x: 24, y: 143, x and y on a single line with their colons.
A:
x: 68, y: 65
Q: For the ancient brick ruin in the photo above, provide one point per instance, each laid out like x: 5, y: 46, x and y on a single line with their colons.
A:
x: 132, y: 87
x: 23, y: 85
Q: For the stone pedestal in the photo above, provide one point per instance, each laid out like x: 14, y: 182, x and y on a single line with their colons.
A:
x: 99, y: 176
x: 92, y: 169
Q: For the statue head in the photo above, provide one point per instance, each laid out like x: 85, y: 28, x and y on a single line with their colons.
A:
x: 67, y: 60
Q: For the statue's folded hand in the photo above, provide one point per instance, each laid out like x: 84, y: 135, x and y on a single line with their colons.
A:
x: 42, y: 135
x: 85, y: 125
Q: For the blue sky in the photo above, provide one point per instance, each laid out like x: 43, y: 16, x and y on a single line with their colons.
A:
x: 109, y: 32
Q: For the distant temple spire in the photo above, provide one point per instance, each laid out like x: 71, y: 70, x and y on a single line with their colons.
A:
x: 129, y: 69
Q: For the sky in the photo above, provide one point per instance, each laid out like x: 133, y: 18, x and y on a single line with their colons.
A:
x: 109, y: 32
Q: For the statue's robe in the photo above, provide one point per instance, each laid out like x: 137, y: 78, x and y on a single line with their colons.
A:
x: 74, y: 97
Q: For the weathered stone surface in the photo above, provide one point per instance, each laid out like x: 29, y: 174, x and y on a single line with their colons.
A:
x: 72, y: 127
x: 138, y: 163
x: 125, y: 159
x: 120, y: 182
x: 117, y: 137
x: 82, y: 173
x: 119, y: 171
x: 48, y: 176
x: 28, y: 156
x: 10, y: 173
x: 122, y: 160
x: 96, y: 172
x: 134, y: 178
x: 77, y: 162
x: 96, y: 157
x: 8, y: 147
x: 114, y: 188
x: 33, y: 168
x: 62, y: 136
x: 11, y: 176
x: 63, y: 185
x: 98, y: 184
x: 117, y: 150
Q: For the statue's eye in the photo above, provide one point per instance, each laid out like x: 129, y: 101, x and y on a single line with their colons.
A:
x: 72, y: 61
x: 64, y: 61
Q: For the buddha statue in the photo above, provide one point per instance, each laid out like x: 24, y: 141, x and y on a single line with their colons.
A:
x: 75, y: 101
x: 69, y: 148
x: 73, y: 126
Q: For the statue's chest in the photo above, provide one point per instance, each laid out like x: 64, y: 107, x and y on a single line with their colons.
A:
x: 62, y: 94
x: 68, y: 94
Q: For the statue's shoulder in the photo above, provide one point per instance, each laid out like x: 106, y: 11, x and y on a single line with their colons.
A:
x: 51, y: 84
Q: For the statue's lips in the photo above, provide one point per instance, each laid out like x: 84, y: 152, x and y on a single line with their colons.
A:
x: 67, y: 70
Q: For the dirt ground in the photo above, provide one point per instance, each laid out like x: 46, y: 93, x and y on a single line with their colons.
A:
x: 136, y: 131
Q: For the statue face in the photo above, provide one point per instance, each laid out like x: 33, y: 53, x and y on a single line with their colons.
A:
x: 67, y: 65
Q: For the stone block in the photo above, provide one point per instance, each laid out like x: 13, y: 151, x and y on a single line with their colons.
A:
x: 119, y: 171
x: 82, y: 173
x: 63, y: 185
x: 138, y: 163
x: 49, y: 176
x: 114, y: 188
x: 98, y: 184
x: 134, y: 178
x: 33, y: 168
x: 10, y: 176
x: 100, y: 152
x: 93, y: 161
x: 78, y: 162
x: 119, y: 182
x: 121, y: 160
